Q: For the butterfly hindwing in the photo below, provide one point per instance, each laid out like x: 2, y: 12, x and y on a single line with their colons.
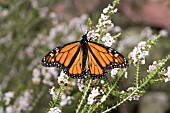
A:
x: 101, y: 58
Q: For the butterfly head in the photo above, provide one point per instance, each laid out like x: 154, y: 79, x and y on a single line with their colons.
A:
x: 84, y: 37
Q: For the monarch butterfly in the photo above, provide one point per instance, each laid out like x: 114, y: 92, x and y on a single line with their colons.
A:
x: 84, y: 57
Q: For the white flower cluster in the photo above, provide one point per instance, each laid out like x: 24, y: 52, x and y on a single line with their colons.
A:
x: 135, y: 96
x: 164, y: 33
x: 21, y: 104
x: 47, y: 73
x: 34, y: 4
x: 80, y: 84
x: 152, y: 67
x: 167, y: 74
x: 36, y: 76
x: 108, y: 40
x: 63, y: 78
x: 139, y: 53
x: 7, y: 97
x: 103, y: 98
x: 54, y: 110
x: 114, y: 72
x: 3, y: 12
x: 147, y: 32
x: 104, y: 24
x: 43, y: 12
x: 53, y: 92
x: 65, y: 100
x: 94, y: 93
x: 164, y: 72
x: 68, y: 32
x: 104, y: 20
x: 93, y: 34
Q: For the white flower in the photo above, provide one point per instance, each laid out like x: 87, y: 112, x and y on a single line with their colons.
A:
x: 48, y: 82
x: 92, y: 95
x: 52, y: 92
x: 53, y: 15
x: 23, y: 102
x: 115, y: 10
x: 8, y: 96
x: 34, y: 3
x: 54, y: 110
x: 63, y: 100
x: 9, y: 109
x: 136, y: 96
x: 63, y: 78
x: 139, y: 53
x: 142, y: 61
x: 53, y: 32
x: 53, y: 72
x: 152, y: 67
x: 95, y: 92
x: 93, y: 34
x: 103, y: 98
x: 36, y: 80
x: 163, y: 33
x: 117, y: 29
x: 142, y: 44
x: 90, y: 99
x: 147, y: 32
x: 167, y: 74
x: 110, y: 7
x: 108, y: 40
x: 36, y: 72
x: 102, y: 81
x: 80, y: 84
x: 108, y: 44
x: 130, y: 89
x: 4, y: 13
x: 114, y: 72
x: 104, y: 17
x: 105, y: 10
x: 101, y: 91
x: 1, y: 109
x: 43, y: 12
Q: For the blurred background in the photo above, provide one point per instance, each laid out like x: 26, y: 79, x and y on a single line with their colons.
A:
x: 30, y: 28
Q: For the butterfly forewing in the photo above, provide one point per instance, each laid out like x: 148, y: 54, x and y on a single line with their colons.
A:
x: 60, y: 56
x: 67, y: 57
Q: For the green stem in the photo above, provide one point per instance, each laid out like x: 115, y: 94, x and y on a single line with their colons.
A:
x: 84, y: 109
x: 137, y: 75
x: 84, y: 97
x: 157, y: 80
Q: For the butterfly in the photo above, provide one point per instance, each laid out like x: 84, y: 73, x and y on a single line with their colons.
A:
x: 85, y: 57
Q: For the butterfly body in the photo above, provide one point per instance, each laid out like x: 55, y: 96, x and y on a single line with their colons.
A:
x: 84, y: 57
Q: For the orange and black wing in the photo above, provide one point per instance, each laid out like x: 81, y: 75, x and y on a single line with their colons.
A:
x: 101, y: 58
x: 67, y: 57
